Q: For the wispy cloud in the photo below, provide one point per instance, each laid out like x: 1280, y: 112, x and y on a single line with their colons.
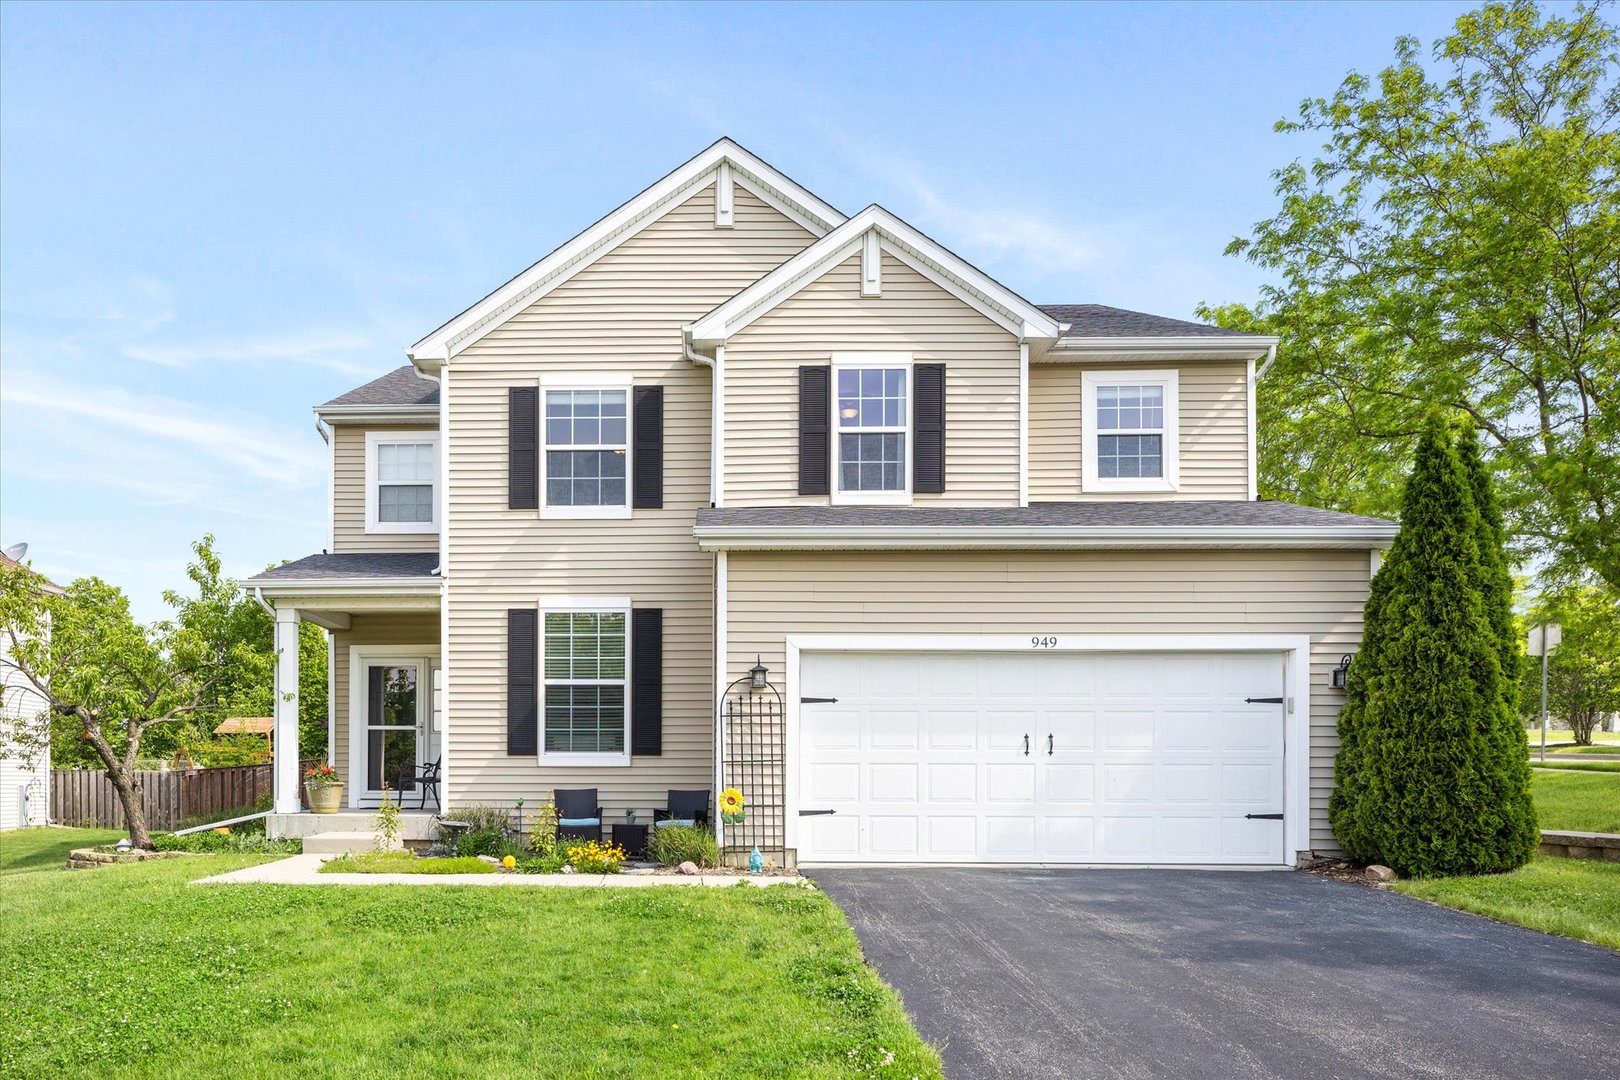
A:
x: 242, y: 441
x: 333, y: 351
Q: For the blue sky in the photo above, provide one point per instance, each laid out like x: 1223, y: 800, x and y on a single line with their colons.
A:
x: 213, y: 217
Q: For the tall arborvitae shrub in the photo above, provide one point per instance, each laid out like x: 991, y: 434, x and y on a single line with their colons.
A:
x: 1425, y: 781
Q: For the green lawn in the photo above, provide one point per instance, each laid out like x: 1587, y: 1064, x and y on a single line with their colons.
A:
x: 1577, y: 898
x: 126, y: 971
x: 1577, y: 799
x: 1612, y: 749
x: 1577, y: 766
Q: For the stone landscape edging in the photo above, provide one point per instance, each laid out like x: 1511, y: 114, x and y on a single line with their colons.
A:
x: 1581, y: 845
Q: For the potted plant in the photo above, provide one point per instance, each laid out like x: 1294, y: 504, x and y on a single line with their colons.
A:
x: 325, y: 788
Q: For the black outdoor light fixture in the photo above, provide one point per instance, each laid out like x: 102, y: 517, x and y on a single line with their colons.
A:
x: 1341, y: 674
x: 757, y: 673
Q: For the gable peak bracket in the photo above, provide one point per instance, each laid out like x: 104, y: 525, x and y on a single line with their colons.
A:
x: 871, y: 265
x: 724, y: 192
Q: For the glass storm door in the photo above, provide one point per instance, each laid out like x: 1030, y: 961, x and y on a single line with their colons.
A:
x: 393, y: 726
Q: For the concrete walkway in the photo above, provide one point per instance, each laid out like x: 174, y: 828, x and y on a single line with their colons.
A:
x: 306, y: 870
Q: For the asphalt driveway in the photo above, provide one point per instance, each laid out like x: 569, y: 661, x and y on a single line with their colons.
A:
x: 1187, y: 973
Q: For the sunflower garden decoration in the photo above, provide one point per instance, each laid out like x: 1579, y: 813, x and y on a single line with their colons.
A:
x: 732, y: 811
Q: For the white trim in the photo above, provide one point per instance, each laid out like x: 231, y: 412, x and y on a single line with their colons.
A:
x: 444, y: 589
x: 1216, y: 347
x: 1033, y: 537
x: 855, y: 361
x: 1023, y: 423
x: 360, y: 657
x: 403, y: 586
x: 604, y: 605
x: 331, y: 485
x: 717, y: 429
x: 331, y: 698
x: 1296, y: 692
x: 723, y: 203
x: 1249, y: 402
x: 629, y: 218
x: 1375, y: 562
x: 871, y: 265
x: 579, y: 380
x: 995, y: 301
x: 286, y: 781
x: 375, y: 414
x: 722, y: 650
x: 375, y: 439
x: 1170, y: 441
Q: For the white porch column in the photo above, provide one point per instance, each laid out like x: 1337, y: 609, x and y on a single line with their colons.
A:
x: 287, y: 780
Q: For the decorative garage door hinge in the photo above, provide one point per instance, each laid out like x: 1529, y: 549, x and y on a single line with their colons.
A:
x: 816, y: 813
x: 1265, y: 817
x: 817, y: 700
x: 1263, y: 701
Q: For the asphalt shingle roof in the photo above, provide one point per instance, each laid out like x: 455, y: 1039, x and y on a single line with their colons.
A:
x: 1122, y: 514
x: 352, y: 565
x: 1097, y: 320
x: 402, y: 386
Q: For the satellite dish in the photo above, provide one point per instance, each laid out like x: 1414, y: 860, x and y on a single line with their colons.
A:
x: 15, y: 552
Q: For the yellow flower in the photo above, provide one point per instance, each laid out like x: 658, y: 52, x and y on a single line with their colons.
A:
x: 509, y: 862
x: 731, y: 801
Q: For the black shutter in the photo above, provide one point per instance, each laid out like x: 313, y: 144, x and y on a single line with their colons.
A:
x: 523, y: 448
x: 928, y: 428
x: 646, y: 681
x: 522, y: 682
x: 815, y: 422
x: 648, y: 434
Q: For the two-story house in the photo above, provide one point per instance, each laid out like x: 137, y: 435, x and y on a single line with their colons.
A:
x: 732, y: 490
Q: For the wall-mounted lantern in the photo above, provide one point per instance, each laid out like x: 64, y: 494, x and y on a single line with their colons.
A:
x: 1341, y: 674
x: 757, y: 675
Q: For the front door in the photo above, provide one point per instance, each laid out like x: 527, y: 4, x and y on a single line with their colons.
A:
x: 396, y: 700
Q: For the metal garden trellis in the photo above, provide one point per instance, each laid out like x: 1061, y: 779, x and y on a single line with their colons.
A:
x: 754, y: 760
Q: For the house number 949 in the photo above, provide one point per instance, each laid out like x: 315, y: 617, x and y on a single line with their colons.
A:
x: 1043, y: 641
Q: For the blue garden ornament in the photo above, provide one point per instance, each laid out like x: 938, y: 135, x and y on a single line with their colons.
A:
x: 756, y: 861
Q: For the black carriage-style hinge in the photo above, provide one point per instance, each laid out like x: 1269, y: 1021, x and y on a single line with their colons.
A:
x: 1263, y: 701
x: 818, y: 700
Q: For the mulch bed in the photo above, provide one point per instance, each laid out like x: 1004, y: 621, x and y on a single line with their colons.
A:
x: 1339, y: 870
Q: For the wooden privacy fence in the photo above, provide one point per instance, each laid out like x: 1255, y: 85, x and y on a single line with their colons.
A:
x: 85, y: 796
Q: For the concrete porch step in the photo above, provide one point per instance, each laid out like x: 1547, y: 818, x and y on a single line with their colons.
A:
x: 342, y: 843
x: 413, y: 826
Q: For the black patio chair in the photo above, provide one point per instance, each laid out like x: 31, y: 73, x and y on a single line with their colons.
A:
x: 685, y: 808
x: 579, y: 813
x: 423, y: 779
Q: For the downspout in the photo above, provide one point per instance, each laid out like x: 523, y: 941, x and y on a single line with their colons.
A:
x: 445, y: 765
x: 1271, y: 354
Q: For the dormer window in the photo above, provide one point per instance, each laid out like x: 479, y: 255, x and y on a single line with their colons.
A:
x: 402, y: 469
x: 1130, y: 431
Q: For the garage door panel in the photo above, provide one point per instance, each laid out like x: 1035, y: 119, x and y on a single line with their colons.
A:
x: 892, y: 782
x: 1041, y: 757
x: 953, y: 782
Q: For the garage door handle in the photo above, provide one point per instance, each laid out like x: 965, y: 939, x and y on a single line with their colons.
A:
x: 1048, y: 745
x: 816, y: 813
x: 1026, y: 746
x: 1265, y: 817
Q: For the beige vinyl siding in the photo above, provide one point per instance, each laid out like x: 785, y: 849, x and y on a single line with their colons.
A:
x: 1321, y: 594
x: 1214, y: 432
x: 622, y: 314
x: 349, y: 494
x: 913, y: 315
x: 392, y: 628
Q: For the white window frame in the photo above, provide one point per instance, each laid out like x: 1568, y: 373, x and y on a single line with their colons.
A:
x: 590, y: 381
x: 374, y: 439
x: 1169, y: 379
x: 848, y: 361
x: 600, y: 605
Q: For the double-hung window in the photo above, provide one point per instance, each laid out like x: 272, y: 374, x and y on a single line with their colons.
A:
x: 586, y: 670
x: 585, y: 459
x: 402, y: 470
x: 1129, y: 420
x: 871, y: 404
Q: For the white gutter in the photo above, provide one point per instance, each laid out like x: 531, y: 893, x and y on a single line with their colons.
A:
x: 411, y: 586
x: 934, y: 537
x: 406, y: 414
x: 1271, y: 354
x: 1238, y: 347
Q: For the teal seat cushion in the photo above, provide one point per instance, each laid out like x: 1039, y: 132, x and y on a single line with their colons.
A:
x: 579, y: 822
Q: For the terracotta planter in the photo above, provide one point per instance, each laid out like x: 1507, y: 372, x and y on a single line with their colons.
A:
x: 326, y: 800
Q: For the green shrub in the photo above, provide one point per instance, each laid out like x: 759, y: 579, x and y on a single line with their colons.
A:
x: 236, y: 843
x: 671, y: 845
x: 482, y: 816
x: 543, y: 833
x: 542, y: 864
x: 478, y: 842
x: 1432, y: 776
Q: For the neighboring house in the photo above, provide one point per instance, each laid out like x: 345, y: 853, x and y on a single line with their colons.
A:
x: 1004, y: 561
x: 25, y: 776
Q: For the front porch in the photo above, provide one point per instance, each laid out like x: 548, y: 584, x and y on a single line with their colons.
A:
x: 333, y: 834
x: 381, y: 614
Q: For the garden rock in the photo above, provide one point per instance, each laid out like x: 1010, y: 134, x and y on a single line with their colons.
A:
x: 567, y: 868
x: 688, y: 868
x: 1379, y: 874
x: 492, y: 860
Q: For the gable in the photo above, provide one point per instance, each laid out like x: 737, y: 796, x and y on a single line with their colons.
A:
x: 725, y: 167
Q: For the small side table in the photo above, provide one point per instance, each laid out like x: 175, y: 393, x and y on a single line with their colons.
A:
x: 632, y: 836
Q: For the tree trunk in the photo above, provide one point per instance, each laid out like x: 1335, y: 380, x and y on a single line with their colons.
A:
x: 129, y: 794
x: 1582, y: 722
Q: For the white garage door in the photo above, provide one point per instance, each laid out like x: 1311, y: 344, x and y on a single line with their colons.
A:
x: 1042, y: 757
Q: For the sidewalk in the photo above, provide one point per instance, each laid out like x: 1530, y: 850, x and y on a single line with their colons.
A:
x: 305, y: 870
